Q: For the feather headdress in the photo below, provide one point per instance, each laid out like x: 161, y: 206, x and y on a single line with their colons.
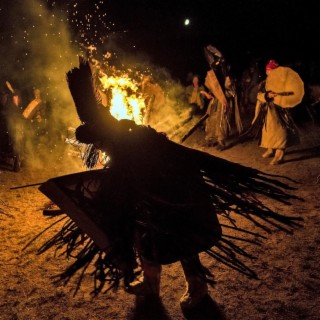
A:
x: 96, y: 119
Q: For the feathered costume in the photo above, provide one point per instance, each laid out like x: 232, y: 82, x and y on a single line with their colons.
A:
x: 166, y: 194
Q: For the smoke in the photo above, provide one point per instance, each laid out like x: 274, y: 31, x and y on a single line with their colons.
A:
x: 41, y: 42
x: 39, y: 50
x: 171, y: 113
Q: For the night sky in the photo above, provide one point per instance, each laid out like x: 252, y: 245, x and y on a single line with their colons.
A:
x: 241, y: 29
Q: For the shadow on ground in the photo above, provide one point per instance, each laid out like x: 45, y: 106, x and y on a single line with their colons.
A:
x: 146, y: 309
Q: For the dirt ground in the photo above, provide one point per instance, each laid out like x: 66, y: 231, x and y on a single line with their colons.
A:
x: 286, y: 263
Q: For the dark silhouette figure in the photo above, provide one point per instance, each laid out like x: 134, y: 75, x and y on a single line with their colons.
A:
x: 155, y: 203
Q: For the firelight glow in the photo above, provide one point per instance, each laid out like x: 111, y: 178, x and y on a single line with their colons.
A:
x: 124, y: 105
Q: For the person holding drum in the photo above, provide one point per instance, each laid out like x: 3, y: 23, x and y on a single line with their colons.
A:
x: 282, y: 89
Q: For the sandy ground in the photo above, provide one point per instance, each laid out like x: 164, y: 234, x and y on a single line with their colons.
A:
x: 287, y: 285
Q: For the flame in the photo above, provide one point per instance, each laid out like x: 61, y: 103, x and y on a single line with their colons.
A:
x: 126, y: 102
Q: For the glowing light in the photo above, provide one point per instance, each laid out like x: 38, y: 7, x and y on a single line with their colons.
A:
x: 125, y: 102
x: 186, y: 22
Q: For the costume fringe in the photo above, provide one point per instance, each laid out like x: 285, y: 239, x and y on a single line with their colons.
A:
x: 165, y: 181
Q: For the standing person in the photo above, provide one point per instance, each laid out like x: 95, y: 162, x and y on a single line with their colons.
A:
x: 36, y: 137
x: 223, y: 111
x: 195, y: 93
x: 183, y: 221
x: 277, y: 129
x: 13, y: 124
x: 155, y: 100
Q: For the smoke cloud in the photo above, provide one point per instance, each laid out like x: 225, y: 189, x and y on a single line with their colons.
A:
x: 41, y: 42
x: 38, y: 49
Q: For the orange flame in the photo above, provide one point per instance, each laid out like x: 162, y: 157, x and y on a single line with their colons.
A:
x: 125, y: 101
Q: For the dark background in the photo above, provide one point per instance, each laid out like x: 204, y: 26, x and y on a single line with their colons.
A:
x: 287, y: 31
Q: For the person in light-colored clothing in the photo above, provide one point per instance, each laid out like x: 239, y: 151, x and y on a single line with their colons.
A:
x: 277, y: 127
